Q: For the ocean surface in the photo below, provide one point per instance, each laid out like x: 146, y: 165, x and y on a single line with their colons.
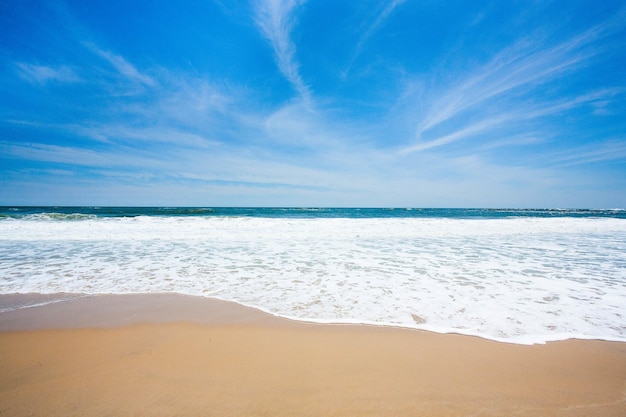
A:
x: 519, y: 276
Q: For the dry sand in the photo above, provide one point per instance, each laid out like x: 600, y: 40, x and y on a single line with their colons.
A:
x: 221, y: 359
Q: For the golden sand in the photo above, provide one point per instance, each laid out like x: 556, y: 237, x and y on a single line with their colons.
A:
x: 255, y: 365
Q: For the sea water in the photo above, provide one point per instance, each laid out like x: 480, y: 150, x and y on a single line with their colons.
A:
x: 520, y: 276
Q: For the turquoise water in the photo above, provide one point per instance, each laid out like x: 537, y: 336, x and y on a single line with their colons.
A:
x: 74, y: 213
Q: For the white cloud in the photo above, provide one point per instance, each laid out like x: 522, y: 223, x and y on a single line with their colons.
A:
x: 524, y: 113
x: 483, y: 126
x: 41, y: 74
x: 276, y: 18
x: 123, y: 67
x: 296, y: 125
x: 371, y: 29
x: 156, y: 134
x: 611, y: 150
x: 70, y: 155
x: 505, y: 89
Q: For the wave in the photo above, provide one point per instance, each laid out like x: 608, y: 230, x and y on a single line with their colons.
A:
x: 88, y: 213
x: 58, y: 217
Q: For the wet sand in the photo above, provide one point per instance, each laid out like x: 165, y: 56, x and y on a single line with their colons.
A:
x: 165, y: 355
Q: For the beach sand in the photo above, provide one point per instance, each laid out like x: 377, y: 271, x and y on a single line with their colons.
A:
x: 166, y: 355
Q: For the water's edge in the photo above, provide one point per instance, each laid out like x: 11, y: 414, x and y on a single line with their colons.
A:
x: 36, y: 311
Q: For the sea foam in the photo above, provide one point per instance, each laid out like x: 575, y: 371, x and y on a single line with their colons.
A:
x: 519, y: 280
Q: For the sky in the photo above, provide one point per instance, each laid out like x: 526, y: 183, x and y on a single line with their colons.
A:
x: 334, y: 103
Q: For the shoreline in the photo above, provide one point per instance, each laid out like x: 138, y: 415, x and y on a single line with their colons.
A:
x: 22, y: 311
x: 57, y: 311
x: 165, y: 354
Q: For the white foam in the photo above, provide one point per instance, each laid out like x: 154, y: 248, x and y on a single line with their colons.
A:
x: 523, y: 280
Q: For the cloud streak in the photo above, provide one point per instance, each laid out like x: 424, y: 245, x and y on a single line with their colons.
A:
x: 512, y: 119
x: 371, y: 29
x: 506, y: 88
x: 122, y: 66
x: 42, y: 74
x: 516, y: 67
x: 612, y: 150
x: 483, y: 126
x: 276, y: 19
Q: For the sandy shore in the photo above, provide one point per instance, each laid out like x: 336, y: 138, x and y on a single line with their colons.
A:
x: 185, y: 356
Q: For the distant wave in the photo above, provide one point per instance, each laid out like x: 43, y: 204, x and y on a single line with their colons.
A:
x: 89, y: 213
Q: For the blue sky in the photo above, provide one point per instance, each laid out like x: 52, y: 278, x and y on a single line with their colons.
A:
x: 313, y: 103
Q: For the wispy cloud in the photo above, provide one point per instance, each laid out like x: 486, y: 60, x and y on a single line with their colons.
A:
x: 41, y: 74
x: 370, y: 30
x: 484, y: 125
x: 122, y: 66
x: 528, y: 138
x: 521, y: 65
x: 68, y: 155
x: 294, y: 125
x: 183, y: 111
x: 490, y: 122
x: 604, y: 96
x: 505, y: 89
x: 121, y: 133
x: 611, y: 150
x: 276, y: 18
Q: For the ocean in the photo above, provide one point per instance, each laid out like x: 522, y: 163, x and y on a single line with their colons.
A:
x: 517, y: 276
